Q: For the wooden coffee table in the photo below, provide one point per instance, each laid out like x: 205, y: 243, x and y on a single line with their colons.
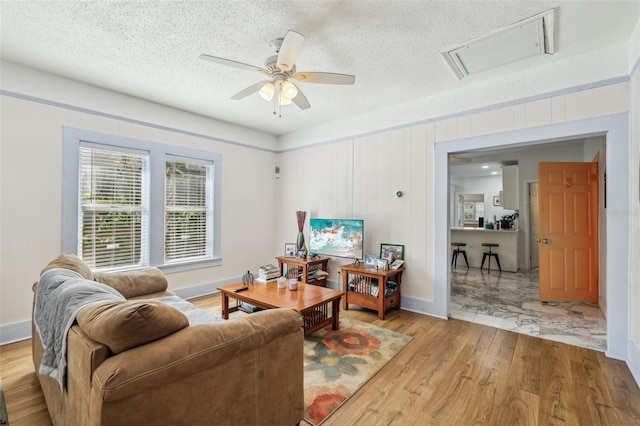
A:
x: 310, y: 300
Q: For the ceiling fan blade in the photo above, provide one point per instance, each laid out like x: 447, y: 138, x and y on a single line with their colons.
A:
x: 230, y: 63
x: 324, y: 78
x: 290, y: 50
x: 301, y: 100
x: 249, y: 90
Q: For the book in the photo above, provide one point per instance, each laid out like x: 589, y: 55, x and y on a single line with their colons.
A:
x: 265, y: 280
x: 268, y: 268
x: 247, y: 307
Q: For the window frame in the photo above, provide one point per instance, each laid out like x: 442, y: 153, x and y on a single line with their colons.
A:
x: 74, y: 138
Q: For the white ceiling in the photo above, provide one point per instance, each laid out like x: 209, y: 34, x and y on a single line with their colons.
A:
x: 150, y: 49
x: 494, y: 159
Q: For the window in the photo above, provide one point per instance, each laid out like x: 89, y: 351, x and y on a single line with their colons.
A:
x: 473, y: 210
x: 188, y: 210
x: 129, y: 203
x: 113, y: 208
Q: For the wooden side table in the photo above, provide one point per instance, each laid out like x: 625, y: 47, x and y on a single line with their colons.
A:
x: 305, y: 263
x: 367, y: 287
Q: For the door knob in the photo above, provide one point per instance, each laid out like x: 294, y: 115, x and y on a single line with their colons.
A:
x: 546, y: 241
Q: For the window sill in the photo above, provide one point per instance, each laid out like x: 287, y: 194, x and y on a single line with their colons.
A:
x: 170, y: 268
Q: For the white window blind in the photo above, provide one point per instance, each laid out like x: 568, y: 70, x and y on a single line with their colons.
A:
x: 113, y: 221
x: 188, y: 210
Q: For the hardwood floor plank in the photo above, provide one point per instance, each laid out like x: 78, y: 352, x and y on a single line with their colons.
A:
x: 519, y: 407
x: 527, y: 364
x: 452, y: 373
x: 625, y: 394
x: 557, y: 391
x: 494, y: 376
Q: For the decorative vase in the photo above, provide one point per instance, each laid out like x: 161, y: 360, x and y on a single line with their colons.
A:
x: 301, y: 216
x: 300, y: 242
x: 247, y: 279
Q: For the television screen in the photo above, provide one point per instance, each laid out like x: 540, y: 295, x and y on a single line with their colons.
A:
x: 336, y: 237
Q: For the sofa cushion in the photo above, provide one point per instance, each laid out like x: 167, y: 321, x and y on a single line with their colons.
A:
x: 134, y: 283
x: 72, y: 262
x: 125, y: 325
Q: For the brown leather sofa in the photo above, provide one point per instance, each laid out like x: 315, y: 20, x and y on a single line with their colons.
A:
x: 244, y: 371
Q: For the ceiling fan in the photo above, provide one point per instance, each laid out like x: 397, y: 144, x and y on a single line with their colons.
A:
x: 281, y: 68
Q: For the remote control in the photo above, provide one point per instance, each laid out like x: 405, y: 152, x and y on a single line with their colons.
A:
x: 240, y: 289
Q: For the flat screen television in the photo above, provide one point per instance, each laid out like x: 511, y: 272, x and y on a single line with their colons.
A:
x: 337, y: 237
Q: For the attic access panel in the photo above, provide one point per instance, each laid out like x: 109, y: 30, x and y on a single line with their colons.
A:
x: 530, y: 37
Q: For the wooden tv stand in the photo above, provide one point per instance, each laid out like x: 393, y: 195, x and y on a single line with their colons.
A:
x: 359, y: 285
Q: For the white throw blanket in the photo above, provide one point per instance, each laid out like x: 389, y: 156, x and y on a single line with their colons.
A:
x: 194, y: 314
x: 60, y: 296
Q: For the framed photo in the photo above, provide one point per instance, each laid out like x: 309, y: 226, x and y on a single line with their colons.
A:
x: 391, y: 252
x: 370, y: 260
x: 496, y: 200
x: 382, y: 264
x: 301, y: 253
x: 290, y: 249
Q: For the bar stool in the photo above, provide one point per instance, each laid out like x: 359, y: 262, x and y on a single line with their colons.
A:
x: 456, y: 252
x: 489, y: 254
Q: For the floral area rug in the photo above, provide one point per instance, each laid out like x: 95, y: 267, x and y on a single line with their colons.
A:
x: 337, y: 363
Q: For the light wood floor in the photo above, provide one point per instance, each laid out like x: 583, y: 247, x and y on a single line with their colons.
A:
x: 452, y: 373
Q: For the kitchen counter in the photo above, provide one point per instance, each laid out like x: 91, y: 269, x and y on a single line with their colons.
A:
x: 474, y: 237
x: 470, y: 228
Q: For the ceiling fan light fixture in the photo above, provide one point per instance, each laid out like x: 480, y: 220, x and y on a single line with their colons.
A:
x: 284, y: 101
x: 289, y: 90
x: 267, y: 91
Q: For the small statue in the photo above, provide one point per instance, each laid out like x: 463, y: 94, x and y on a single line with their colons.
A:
x: 247, y: 279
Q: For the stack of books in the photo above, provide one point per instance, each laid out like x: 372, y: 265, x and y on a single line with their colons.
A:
x: 314, y: 273
x: 267, y: 273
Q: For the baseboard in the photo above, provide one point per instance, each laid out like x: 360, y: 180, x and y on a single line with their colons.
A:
x: 420, y: 306
x: 199, y: 290
x: 633, y: 361
x: 15, y: 332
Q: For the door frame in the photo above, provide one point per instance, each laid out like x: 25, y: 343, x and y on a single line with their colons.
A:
x: 527, y: 215
x: 618, y: 221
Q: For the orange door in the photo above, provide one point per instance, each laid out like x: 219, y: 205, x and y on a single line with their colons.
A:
x: 568, y: 221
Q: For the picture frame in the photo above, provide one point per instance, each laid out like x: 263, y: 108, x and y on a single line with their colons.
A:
x: 370, y: 260
x: 395, y: 251
x: 496, y: 200
x: 382, y: 264
x: 301, y: 253
x: 290, y: 249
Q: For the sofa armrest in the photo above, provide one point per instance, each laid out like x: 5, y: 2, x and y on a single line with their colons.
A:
x: 190, y: 351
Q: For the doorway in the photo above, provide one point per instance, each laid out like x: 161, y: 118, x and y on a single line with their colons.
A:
x: 616, y: 129
x: 510, y: 300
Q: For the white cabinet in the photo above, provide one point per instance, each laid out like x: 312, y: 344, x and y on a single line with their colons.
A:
x: 510, y: 184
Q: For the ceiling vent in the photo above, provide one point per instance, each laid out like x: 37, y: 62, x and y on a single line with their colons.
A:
x: 530, y: 37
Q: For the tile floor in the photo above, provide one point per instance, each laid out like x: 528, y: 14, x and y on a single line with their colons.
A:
x: 510, y: 301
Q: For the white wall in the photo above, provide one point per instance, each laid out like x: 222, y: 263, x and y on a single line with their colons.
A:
x: 31, y: 188
x: 356, y: 177
x: 634, y: 204
x: 490, y: 186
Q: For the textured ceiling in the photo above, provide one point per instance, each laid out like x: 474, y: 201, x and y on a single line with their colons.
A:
x: 150, y: 49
